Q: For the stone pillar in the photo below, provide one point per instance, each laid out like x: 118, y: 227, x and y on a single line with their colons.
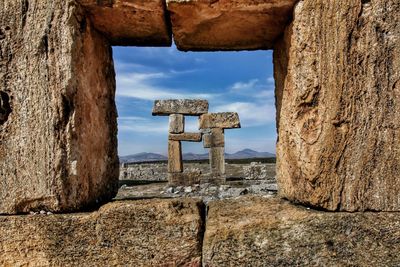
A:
x: 58, y: 145
x: 337, y: 72
x: 214, y: 124
x: 176, y: 109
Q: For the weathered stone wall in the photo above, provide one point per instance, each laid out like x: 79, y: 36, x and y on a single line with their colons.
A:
x: 255, y: 231
x: 337, y: 72
x: 58, y: 144
x: 130, y: 233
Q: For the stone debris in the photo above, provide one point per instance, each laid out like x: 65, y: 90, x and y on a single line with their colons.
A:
x: 257, y: 171
x: 211, y: 124
x: 144, y: 172
x: 210, y: 191
x: 188, y: 177
x: 223, y: 120
x: 190, y: 107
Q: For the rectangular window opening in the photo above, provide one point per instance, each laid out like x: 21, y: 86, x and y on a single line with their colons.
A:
x: 239, y: 82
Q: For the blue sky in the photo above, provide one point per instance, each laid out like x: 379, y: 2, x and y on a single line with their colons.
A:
x: 231, y: 81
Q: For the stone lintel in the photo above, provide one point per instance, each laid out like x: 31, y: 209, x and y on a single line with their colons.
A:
x: 190, y: 107
x: 174, y: 157
x: 186, y: 178
x: 223, y: 120
x: 216, y: 138
x: 188, y: 137
x: 203, y: 25
x: 176, y: 123
x: 133, y: 23
x: 217, y: 160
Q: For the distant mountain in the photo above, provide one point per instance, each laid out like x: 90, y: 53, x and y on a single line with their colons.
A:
x: 249, y: 154
x: 142, y: 157
x: 192, y: 156
x: 147, y: 157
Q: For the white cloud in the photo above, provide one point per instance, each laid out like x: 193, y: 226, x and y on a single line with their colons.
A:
x: 251, y: 114
x: 132, y: 118
x: 141, y: 86
x: 244, y: 86
x: 143, y: 126
x: 271, y: 80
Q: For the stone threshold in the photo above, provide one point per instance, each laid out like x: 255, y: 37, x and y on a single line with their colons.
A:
x: 244, y: 231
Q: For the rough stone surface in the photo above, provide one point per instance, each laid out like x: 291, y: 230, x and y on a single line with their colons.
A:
x: 223, y: 120
x: 175, y: 156
x: 338, y: 105
x: 216, y: 138
x: 271, y: 232
x: 185, y: 178
x: 129, y: 233
x: 217, y: 160
x: 130, y: 22
x: 188, y: 137
x: 228, y: 24
x: 176, y: 123
x: 191, y: 107
x: 57, y: 79
x: 258, y: 171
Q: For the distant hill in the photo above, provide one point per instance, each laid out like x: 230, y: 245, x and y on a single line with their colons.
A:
x: 249, y: 154
x: 148, y: 157
x: 142, y: 157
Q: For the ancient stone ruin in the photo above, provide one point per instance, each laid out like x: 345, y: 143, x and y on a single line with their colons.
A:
x: 212, y: 126
x: 337, y: 77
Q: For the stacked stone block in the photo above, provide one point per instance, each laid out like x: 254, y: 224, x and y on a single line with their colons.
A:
x: 211, y: 124
x: 214, y: 125
x: 176, y: 110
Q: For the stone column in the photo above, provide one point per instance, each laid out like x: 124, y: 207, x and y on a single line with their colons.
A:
x: 337, y: 73
x: 176, y: 109
x: 214, y: 124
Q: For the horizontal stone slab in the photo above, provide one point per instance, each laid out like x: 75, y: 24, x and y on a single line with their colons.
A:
x: 191, y: 107
x: 125, y: 233
x: 223, y: 120
x: 127, y: 22
x: 188, y: 137
x: 255, y: 231
x: 228, y: 24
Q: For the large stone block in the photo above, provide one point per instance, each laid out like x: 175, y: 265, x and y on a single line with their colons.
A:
x: 130, y: 22
x: 191, y: 107
x: 175, y: 156
x: 217, y: 160
x: 215, y: 138
x: 223, y: 120
x: 129, y: 233
x: 338, y: 100
x: 57, y: 90
x: 272, y: 232
x: 176, y: 123
x: 228, y: 24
